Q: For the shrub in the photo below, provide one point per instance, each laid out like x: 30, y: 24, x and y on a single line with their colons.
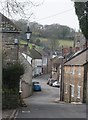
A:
x: 10, y: 85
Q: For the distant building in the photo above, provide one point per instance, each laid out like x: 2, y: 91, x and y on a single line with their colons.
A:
x: 35, y: 59
x: 75, y: 77
x: 79, y: 41
x: 45, y: 60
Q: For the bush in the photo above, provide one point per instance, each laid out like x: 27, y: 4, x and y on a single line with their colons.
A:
x: 10, y: 85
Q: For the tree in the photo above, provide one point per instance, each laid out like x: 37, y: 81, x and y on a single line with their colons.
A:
x: 37, y: 42
x: 53, y: 44
x: 81, y: 9
x: 19, y: 8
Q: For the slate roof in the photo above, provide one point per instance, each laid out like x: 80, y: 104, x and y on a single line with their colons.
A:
x: 56, y: 60
x: 7, y: 26
x: 78, y: 59
x: 42, y: 52
x: 34, y: 54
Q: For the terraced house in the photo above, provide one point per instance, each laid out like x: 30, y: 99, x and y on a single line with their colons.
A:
x: 75, y: 77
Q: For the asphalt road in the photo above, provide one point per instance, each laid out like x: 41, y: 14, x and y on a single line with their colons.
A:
x: 45, y: 104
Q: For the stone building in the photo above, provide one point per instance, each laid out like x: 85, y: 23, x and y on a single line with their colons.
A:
x: 12, y: 52
x: 79, y: 41
x: 10, y: 32
x: 75, y: 78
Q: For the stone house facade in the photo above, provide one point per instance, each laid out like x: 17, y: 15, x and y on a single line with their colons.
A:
x: 12, y: 53
x: 79, y: 41
x: 56, y: 68
x: 45, y: 60
x: 36, y: 61
x: 75, y: 78
x: 9, y: 32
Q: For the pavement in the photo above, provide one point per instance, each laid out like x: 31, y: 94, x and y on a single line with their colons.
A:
x: 8, y: 114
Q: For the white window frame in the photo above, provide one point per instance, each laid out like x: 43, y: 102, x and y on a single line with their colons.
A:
x: 72, y: 90
x: 66, y: 70
x: 66, y: 88
x: 79, y: 70
x: 79, y: 92
x: 73, y: 70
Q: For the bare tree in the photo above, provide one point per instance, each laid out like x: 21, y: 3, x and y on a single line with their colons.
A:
x: 21, y: 8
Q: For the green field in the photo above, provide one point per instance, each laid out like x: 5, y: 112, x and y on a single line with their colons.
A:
x: 65, y: 43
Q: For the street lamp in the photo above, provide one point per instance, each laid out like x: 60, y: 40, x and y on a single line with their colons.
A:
x: 28, y: 34
x: 16, y: 41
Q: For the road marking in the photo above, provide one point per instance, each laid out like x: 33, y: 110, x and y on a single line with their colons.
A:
x: 25, y: 111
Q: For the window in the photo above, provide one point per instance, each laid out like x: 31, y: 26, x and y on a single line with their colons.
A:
x: 66, y: 88
x: 72, y: 70
x: 79, y: 89
x: 72, y: 90
x: 66, y: 70
x: 79, y: 70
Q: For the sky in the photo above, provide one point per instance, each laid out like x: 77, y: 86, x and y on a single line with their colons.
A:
x: 56, y: 11
x: 53, y: 12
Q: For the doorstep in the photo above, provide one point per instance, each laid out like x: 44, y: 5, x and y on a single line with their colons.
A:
x: 77, y: 103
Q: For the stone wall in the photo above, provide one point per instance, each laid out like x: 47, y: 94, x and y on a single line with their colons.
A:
x: 9, y: 50
x: 26, y: 80
x: 71, y: 79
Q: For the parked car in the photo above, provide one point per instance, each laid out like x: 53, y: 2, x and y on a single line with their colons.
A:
x: 36, y: 86
x: 56, y: 84
x: 51, y: 82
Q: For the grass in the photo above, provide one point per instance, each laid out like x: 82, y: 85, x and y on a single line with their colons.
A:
x: 24, y: 42
x: 65, y: 43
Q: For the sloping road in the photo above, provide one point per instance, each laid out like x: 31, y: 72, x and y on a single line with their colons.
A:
x: 43, y: 104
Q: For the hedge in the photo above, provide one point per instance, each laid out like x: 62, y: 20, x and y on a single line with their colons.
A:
x: 10, y: 85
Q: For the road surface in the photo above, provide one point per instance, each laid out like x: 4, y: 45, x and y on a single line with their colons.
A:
x: 45, y: 104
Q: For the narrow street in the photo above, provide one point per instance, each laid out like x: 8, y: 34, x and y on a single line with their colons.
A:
x: 44, y: 104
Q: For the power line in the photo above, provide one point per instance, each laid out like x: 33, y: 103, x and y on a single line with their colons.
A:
x: 54, y: 15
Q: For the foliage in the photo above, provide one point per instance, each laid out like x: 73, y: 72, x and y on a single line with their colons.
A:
x: 81, y: 9
x: 53, y: 31
x: 37, y: 42
x: 10, y: 85
x: 11, y: 75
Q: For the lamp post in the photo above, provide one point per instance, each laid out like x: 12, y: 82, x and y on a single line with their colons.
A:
x: 28, y: 34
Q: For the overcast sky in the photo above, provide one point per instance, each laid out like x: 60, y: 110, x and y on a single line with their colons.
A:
x: 53, y: 11
x: 56, y: 11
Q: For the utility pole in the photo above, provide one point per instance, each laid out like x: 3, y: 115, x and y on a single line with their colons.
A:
x: 62, y: 78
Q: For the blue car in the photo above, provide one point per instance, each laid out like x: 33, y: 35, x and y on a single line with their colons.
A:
x: 36, y: 86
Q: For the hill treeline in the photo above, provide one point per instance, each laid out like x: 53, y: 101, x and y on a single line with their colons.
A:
x: 53, y: 31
